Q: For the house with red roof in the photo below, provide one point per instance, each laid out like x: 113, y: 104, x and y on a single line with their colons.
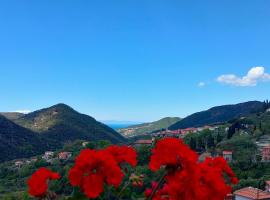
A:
x: 266, y: 153
x: 64, y: 155
x: 188, y: 130
x: 227, y: 155
x: 267, y: 186
x: 139, y: 143
x: 251, y: 193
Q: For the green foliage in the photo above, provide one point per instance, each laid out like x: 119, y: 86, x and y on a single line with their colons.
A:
x: 144, y: 153
x: 17, y: 196
x: 251, y: 174
x: 103, y: 144
x: 243, y: 147
x: 266, y: 105
x: 163, y: 123
x: 18, y: 142
x: 205, y: 140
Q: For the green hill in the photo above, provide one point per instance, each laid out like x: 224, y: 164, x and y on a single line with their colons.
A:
x: 218, y: 114
x: 26, y: 135
x: 11, y: 115
x: 140, y: 129
x: 18, y: 142
x: 61, y: 123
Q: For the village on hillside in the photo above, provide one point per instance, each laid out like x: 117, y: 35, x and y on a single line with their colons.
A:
x: 263, y: 152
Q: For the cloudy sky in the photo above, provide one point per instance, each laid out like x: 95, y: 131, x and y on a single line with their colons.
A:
x: 133, y: 60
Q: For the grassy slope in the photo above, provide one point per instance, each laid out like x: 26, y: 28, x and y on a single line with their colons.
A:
x: 62, y: 123
x: 150, y: 127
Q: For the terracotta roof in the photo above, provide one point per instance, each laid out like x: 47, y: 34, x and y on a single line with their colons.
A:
x: 267, y: 147
x: 253, y: 193
x: 190, y: 129
x: 143, y: 142
x: 227, y: 152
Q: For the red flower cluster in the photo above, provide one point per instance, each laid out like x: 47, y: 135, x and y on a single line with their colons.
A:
x: 123, y: 154
x: 93, y: 168
x: 184, y: 173
x: 185, y: 177
x: 171, y: 153
x: 38, y: 182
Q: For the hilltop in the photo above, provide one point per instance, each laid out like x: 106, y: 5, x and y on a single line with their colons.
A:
x: 24, y: 135
x: 63, y: 123
x: 219, y: 114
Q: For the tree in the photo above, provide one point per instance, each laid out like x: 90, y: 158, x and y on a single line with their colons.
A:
x: 210, y: 141
x: 192, y: 143
x: 219, y: 138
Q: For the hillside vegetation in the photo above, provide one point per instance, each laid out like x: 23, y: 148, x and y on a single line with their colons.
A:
x: 245, y: 137
x: 11, y: 115
x: 49, y: 129
x: 137, y: 130
x: 62, y: 123
x: 218, y: 114
x: 18, y: 142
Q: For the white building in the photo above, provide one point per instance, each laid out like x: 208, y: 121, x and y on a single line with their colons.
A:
x: 48, y: 155
x: 84, y: 144
x: 19, y: 163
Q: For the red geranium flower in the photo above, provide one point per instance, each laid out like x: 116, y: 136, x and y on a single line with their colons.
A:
x: 171, y: 152
x: 94, y: 168
x: 123, y: 154
x: 184, y: 173
x: 38, y: 182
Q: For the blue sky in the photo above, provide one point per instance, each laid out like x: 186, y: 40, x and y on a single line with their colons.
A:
x: 133, y: 60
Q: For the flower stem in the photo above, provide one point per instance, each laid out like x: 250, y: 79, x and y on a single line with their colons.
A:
x: 158, y: 186
x: 122, y: 190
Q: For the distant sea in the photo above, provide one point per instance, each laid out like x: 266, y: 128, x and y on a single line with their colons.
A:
x: 117, y: 126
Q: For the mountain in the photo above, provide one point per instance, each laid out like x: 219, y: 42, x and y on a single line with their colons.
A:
x: 218, y: 114
x: 11, y: 115
x: 62, y: 124
x: 25, y: 135
x: 139, y: 129
x: 18, y: 142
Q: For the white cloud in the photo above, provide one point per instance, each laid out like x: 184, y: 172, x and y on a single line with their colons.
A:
x: 22, y: 111
x: 254, y: 75
x: 201, y: 84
